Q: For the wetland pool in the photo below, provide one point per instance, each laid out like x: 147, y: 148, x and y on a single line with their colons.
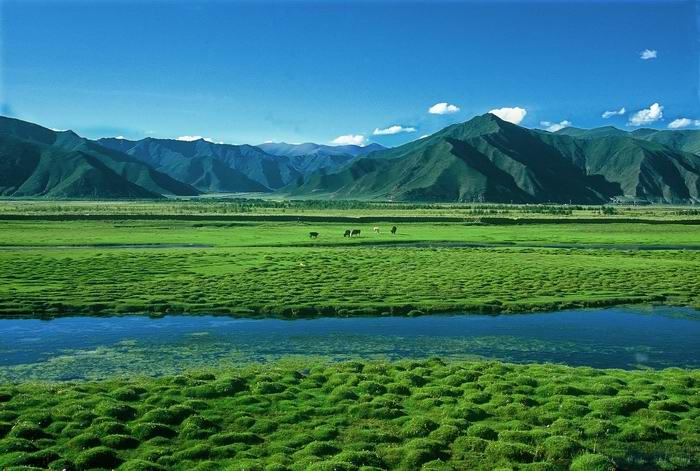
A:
x: 71, y: 348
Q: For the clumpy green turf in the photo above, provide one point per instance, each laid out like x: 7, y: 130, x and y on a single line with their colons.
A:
x: 167, y: 265
x: 406, y: 415
x: 307, y: 281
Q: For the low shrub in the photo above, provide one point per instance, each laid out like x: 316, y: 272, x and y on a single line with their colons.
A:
x: 482, y: 431
x: 146, y: 431
x: 620, y: 405
x: 120, y: 442
x: 591, y: 462
x: 99, y: 457
x: 559, y: 448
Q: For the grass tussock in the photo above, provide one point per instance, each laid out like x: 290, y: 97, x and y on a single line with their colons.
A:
x: 404, y: 415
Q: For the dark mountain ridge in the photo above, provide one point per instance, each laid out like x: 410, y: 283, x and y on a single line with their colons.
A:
x: 488, y: 159
x: 36, y: 161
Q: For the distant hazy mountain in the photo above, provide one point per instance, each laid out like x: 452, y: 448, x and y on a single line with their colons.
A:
x: 309, y: 157
x: 605, y: 131
x: 232, y: 168
x: 488, y: 159
x: 36, y: 161
x: 687, y: 140
x: 309, y: 148
x: 208, y: 166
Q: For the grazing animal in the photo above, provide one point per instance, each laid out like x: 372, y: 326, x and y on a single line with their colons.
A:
x: 393, y: 230
x: 313, y: 235
x: 376, y: 229
x: 347, y: 233
x: 355, y: 232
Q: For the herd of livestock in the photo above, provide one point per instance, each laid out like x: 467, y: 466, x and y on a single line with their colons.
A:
x: 354, y: 232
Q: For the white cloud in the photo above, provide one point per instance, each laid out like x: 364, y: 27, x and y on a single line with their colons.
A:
x: 350, y: 139
x: 554, y: 127
x: 647, y: 54
x: 395, y: 129
x: 119, y: 137
x: 58, y: 130
x: 683, y: 123
x: 189, y: 138
x: 512, y: 115
x: 443, y: 108
x: 197, y: 138
x: 647, y: 116
x: 610, y: 114
x: 424, y: 136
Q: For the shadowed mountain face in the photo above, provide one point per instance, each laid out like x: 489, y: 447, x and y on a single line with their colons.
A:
x: 208, y: 166
x: 36, y: 161
x: 488, y: 159
x: 230, y: 168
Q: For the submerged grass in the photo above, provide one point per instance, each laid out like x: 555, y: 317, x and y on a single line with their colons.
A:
x: 371, y: 415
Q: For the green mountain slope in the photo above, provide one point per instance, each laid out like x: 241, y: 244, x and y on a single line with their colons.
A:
x: 209, y: 166
x: 37, y: 161
x: 32, y: 170
x: 644, y: 170
x: 191, y: 163
x: 686, y: 140
x: 487, y: 159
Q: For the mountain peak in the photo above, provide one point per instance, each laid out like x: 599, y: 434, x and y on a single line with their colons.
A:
x: 480, y: 125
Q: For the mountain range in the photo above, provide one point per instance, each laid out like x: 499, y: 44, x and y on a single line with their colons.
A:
x: 211, y: 167
x: 488, y: 159
x: 36, y: 161
x: 483, y: 159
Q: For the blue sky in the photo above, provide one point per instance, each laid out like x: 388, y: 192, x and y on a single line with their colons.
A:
x: 296, y: 71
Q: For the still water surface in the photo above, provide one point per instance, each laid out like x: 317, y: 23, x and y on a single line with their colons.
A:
x: 92, y: 347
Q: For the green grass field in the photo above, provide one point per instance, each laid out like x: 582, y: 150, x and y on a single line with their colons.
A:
x: 99, y: 259
x: 274, y: 268
x: 366, y: 416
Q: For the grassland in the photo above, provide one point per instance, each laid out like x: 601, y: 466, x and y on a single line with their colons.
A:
x: 405, y: 415
x: 234, y: 205
x: 107, y: 266
x: 299, y: 414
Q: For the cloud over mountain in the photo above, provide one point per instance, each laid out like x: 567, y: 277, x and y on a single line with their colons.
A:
x: 391, y: 130
x: 350, y: 139
x: 196, y: 138
x: 513, y: 115
x: 683, y: 123
x: 554, y: 127
x: 647, y: 115
x: 610, y: 114
x: 443, y: 108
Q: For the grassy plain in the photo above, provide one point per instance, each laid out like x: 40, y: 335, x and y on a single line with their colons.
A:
x: 166, y: 265
x: 406, y: 415
x: 107, y: 258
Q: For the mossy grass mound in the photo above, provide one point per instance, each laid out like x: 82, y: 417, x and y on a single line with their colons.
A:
x: 479, y: 415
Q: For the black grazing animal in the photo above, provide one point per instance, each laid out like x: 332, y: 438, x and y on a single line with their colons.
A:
x: 313, y: 235
x: 355, y: 232
x: 347, y: 233
x: 393, y: 230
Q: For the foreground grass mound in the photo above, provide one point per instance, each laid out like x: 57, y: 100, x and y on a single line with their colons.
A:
x: 404, y: 415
